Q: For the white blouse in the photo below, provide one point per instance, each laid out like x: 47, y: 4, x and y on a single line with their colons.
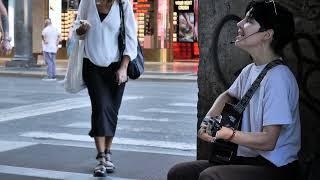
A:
x: 101, y: 40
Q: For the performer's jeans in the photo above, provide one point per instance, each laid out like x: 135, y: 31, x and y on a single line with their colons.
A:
x: 244, y: 170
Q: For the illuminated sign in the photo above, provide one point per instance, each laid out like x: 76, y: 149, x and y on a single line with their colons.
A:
x: 183, y: 5
x: 142, y: 6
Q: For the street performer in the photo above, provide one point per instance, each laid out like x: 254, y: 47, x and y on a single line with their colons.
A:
x: 269, y: 138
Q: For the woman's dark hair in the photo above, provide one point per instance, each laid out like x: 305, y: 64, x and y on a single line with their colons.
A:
x: 271, y: 15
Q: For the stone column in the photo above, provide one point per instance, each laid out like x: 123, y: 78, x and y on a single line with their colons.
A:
x: 23, y: 35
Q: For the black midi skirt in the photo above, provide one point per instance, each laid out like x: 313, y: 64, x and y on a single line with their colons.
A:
x: 105, y: 95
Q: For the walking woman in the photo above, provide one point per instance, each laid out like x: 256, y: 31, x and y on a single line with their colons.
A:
x: 104, y: 72
x: 269, y: 139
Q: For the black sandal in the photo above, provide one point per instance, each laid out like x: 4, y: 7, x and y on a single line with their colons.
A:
x: 100, y: 170
x: 109, y: 164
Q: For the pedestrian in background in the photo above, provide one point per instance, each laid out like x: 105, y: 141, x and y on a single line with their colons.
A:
x: 5, y: 46
x: 270, y: 138
x: 104, y: 71
x: 50, y: 42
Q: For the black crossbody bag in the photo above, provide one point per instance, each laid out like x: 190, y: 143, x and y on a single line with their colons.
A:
x: 135, y: 66
x: 223, y: 152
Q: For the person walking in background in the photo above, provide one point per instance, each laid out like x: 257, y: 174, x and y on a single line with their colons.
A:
x: 270, y: 137
x: 5, y: 46
x: 104, y: 71
x: 50, y: 42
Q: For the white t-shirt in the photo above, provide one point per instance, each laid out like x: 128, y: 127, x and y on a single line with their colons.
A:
x: 51, y: 35
x: 275, y: 102
x: 101, y: 41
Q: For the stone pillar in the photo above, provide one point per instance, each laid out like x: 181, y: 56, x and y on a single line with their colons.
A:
x: 23, y: 35
x: 220, y: 61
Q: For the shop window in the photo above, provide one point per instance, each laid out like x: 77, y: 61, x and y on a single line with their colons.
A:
x: 185, y: 36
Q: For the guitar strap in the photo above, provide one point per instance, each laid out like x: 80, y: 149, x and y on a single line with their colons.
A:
x: 242, y: 104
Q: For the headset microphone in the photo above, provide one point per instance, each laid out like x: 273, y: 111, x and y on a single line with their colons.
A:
x: 232, y: 42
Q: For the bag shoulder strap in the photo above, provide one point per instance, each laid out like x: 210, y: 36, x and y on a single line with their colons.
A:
x: 242, y: 104
x: 122, y: 26
x: 122, y: 29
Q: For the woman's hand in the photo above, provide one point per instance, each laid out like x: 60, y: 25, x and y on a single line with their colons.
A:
x: 121, y: 75
x: 83, y: 28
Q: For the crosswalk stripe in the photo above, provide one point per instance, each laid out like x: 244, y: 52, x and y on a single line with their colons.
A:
x: 48, y: 107
x: 184, y: 104
x: 86, y: 125
x: 42, y: 173
x: 168, y: 111
x: 139, y: 118
x: 10, y: 145
x: 116, y: 140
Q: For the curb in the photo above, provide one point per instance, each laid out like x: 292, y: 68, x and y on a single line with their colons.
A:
x: 146, y: 76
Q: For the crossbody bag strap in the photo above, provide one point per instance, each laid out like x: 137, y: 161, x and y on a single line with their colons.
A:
x: 122, y: 30
x: 242, y: 104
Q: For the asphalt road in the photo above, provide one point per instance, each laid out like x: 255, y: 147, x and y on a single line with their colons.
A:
x: 157, y: 119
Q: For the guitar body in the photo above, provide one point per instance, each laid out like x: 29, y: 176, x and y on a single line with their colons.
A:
x: 223, y: 152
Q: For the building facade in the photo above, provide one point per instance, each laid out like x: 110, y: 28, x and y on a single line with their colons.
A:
x: 167, y: 29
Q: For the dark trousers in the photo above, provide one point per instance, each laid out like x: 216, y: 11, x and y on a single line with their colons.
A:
x: 240, y: 170
x: 105, y: 95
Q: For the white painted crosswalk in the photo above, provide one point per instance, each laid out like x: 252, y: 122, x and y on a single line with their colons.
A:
x: 48, y: 107
x: 184, y: 104
x: 168, y: 111
x: 86, y: 125
x: 140, y: 118
x: 153, y: 121
x: 136, y: 124
x: 116, y: 140
x: 10, y: 145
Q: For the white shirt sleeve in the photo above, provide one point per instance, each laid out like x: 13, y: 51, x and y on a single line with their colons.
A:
x: 82, y: 10
x: 81, y: 15
x: 131, y: 31
x: 276, y: 105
